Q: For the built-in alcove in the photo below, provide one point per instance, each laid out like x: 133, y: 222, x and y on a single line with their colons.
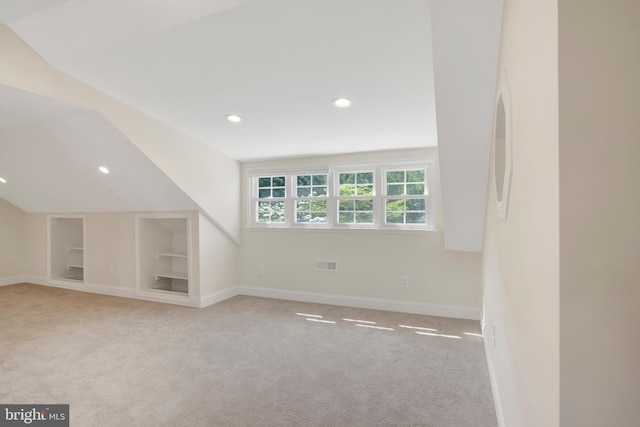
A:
x: 66, y: 248
x: 163, y: 255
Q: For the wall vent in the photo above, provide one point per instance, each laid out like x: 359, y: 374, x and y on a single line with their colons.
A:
x: 325, y: 265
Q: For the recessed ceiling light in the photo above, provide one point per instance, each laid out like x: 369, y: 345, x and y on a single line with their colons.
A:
x: 234, y: 118
x: 103, y: 169
x: 2, y: 180
x: 342, y: 102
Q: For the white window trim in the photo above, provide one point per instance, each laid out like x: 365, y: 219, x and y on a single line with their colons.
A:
x: 333, y: 171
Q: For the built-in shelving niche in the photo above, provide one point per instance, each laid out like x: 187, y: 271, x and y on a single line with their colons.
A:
x: 163, y: 243
x: 66, y: 249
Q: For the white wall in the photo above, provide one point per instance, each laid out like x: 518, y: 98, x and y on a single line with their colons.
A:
x: 218, y: 259
x: 12, y: 248
x: 370, y: 263
x: 599, y: 212
x: 110, y: 249
x: 520, y: 259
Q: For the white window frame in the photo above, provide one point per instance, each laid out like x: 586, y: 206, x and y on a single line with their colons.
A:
x: 428, y: 196
x: 333, y: 171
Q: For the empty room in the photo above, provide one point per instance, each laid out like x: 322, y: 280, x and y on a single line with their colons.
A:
x: 319, y: 213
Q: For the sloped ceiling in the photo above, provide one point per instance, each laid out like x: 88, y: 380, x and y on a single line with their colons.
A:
x: 51, y: 153
x: 279, y: 63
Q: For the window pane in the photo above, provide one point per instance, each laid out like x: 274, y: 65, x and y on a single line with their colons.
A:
x: 345, y: 218
x: 415, y: 176
x: 264, y: 193
x: 395, y: 218
x: 319, y: 217
x: 395, y: 176
x: 319, y: 205
x: 347, y: 190
x: 278, y: 192
x: 364, y: 190
x: 277, y: 209
x: 347, y: 178
x: 264, y: 211
x: 269, y: 212
x: 365, y: 178
x: 304, y: 191
x: 416, y: 218
x: 395, y: 189
x: 364, y: 217
x: 319, y: 179
x: 415, y: 204
x: 319, y: 191
x: 415, y: 188
x: 346, y: 205
x: 278, y: 181
x: 304, y: 180
x: 364, y: 205
x: 395, y: 205
x: 264, y: 182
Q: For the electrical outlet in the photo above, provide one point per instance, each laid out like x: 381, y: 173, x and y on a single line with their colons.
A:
x: 404, y: 281
x: 261, y: 271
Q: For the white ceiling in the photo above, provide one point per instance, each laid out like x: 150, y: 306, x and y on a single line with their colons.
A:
x: 421, y: 73
x: 276, y: 63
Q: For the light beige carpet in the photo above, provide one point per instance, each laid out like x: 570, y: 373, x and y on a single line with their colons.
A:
x: 243, y: 362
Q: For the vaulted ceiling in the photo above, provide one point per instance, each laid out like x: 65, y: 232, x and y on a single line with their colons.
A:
x: 420, y: 73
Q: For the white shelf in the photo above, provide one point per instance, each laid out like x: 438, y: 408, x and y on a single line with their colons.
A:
x: 173, y: 275
x: 74, y: 266
x: 72, y: 249
x: 172, y: 254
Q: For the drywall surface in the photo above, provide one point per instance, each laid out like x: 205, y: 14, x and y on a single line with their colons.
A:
x: 203, y: 173
x: 110, y: 258
x: 370, y: 263
x: 520, y: 259
x: 218, y: 259
x: 36, y: 245
x: 12, y: 228
x: 599, y: 209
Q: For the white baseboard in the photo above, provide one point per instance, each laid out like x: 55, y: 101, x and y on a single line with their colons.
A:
x: 217, y: 297
x: 371, y: 303
x: 110, y: 290
x: 456, y: 312
x: 13, y: 280
x: 497, y: 402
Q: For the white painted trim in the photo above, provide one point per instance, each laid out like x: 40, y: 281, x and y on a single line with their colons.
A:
x: 74, y: 286
x: 110, y: 290
x: 497, y: 401
x: 216, y: 297
x: 456, y: 312
x: 13, y: 280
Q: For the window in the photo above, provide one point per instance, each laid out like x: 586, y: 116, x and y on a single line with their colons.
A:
x: 405, y: 196
x: 270, y: 207
x: 355, y: 197
x: 311, y: 198
x: 387, y: 196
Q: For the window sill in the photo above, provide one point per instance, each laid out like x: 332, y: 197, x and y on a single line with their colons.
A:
x: 343, y: 229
